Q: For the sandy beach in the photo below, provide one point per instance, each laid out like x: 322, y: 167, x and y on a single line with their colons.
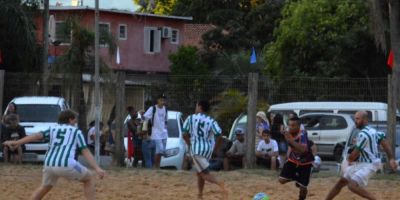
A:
x: 18, y: 182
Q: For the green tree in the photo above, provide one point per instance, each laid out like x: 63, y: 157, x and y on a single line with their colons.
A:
x: 324, y: 38
x: 161, y: 7
x: 18, y: 44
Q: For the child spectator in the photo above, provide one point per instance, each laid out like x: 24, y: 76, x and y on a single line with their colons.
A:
x: 267, y: 151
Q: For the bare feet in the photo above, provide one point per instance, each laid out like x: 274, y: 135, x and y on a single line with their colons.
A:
x: 224, y: 190
x: 200, y: 196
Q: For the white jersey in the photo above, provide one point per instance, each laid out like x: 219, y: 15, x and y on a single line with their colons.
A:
x: 367, y: 143
x: 202, y: 129
x: 63, y: 140
x: 159, y: 130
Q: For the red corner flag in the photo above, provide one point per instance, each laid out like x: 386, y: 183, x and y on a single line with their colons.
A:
x: 390, y: 61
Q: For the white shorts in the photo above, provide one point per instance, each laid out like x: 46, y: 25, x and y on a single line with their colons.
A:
x: 201, y: 164
x: 51, y: 174
x: 360, y: 173
x: 161, y: 145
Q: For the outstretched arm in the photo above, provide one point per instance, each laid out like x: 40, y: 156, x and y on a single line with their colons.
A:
x: 27, y: 139
x: 89, y: 157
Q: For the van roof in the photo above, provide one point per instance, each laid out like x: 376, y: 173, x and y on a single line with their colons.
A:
x: 332, y: 105
x: 37, y: 100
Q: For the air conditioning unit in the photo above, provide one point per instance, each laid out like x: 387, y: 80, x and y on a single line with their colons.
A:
x: 166, y: 32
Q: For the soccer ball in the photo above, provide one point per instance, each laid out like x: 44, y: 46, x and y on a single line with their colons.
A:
x: 261, y: 196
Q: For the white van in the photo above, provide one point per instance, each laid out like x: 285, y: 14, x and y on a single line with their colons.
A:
x: 376, y: 111
x: 38, y: 114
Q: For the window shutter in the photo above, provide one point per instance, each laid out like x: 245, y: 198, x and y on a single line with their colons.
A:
x: 146, y: 40
x: 157, y: 41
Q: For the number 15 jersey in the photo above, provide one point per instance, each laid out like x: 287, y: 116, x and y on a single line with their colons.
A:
x: 202, y: 129
x: 63, y: 140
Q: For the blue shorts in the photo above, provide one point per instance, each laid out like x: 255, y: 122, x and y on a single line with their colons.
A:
x: 161, y: 146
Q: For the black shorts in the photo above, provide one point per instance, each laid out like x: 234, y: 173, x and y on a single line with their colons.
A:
x: 293, y: 172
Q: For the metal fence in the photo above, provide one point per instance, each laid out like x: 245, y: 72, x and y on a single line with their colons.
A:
x: 183, y: 91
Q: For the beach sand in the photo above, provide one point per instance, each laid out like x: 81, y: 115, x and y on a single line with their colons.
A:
x: 18, y: 182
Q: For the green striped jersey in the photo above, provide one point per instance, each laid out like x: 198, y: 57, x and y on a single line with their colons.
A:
x: 63, y: 141
x: 367, y: 143
x: 202, y: 129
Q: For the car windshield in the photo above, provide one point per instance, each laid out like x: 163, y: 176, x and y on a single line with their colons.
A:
x: 241, y: 123
x: 173, y: 128
x: 38, y: 113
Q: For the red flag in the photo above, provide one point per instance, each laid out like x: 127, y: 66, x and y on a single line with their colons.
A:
x: 390, y: 61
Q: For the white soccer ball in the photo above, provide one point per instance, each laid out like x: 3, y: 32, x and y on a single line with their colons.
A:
x: 261, y: 196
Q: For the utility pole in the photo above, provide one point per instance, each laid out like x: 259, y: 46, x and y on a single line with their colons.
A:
x: 97, y: 82
x: 45, y: 65
x: 251, y: 120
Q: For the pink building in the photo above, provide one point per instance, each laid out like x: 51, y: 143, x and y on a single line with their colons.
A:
x: 144, y: 40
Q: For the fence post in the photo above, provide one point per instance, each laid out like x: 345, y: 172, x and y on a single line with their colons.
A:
x: 251, y: 120
x: 119, y: 120
x: 1, y: 90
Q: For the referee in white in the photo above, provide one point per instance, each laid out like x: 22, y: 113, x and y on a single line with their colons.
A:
x: 199, y: 130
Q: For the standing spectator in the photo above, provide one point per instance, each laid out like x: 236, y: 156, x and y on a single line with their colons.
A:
x: 110, y: 146
x: 91, y: 137
x: 267, y: 152
x: 11, y: 108
x: 235, y: 155
x: 198, y: 129
x: 157, y: 115
x: 261, y: 125
x: 13, y: 132
x: 134, y: 127
x: 277, y: 129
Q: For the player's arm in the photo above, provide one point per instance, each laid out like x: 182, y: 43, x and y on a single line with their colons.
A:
x: 354, y: 155
x: 186, y: 131
x: 296, y: 146
x: 89, y: 158
x: 27, y: 139
x: 388, y: 150
x: 186, y: 137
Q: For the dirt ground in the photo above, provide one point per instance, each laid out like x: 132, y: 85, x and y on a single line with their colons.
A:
x: 18, y: 182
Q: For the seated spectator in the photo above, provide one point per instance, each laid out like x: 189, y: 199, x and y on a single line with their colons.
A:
x: 235, y: 154
x: 13, y: 131
x: 267, y: 152
x: 217, y: 159
x: 11, y: 108
x: 91, y: 137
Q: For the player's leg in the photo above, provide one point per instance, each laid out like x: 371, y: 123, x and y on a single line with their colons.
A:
x: 200, y: 185
x: 41, y: 192
x: 303, y: 179
x: 288, y: 173
x: 361, y: 191
x: 88, y: 187
x: 337, y: 188
x: 5, y: 154
x: 19, y: 155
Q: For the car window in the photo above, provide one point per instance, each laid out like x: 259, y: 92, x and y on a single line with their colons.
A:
x: 38, y: 113
x: 323, y: 122
x: 314, y: 111
x: 311, y: 122
x: 173, y: 129
x: 241, y: 123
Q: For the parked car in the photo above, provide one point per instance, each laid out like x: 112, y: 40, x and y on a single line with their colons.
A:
x: 376, y: 111
x: 329, y: 132
x: 382, y: 126
x: 176, y: 146
x: 38, y: 114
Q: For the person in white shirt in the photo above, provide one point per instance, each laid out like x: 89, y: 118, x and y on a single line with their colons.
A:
x: 267, y: 152
x: 91, y: 136
x: 157, y: 115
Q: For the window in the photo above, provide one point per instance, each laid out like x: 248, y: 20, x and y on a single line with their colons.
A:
x: 123, y: 32
x: 152, y: 40
x: 63, y: 33
x: 175, y: 36
x: 104, y: 30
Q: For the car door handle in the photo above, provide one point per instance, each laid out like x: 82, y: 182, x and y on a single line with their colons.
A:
x: 314, y: 133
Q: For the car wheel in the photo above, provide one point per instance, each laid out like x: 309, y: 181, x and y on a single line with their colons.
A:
x: 337, y: 153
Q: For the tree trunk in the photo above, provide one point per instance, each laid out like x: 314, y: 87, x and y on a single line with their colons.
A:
x: 119, y: 120
x: 251, y: 121
x: 82, y: 123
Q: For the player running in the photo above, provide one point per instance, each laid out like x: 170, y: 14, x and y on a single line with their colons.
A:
x: 64, y: 138
x: 199, y: 130
x: 356, y: 172
x: 300, y: 157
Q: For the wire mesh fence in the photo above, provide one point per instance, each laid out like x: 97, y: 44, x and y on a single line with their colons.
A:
x: 183, y: 91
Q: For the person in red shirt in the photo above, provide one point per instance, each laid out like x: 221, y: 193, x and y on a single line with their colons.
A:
x: 300, y: 158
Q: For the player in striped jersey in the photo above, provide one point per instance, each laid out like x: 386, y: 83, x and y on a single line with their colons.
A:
x: 64, y: 138
x: 199, y: 130
x: 364, y: 160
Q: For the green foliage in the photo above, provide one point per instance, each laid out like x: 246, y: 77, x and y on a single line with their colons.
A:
x: 160, y: 7
x: 17, y: 36
x: 229, y: 105
x: 324, y: 38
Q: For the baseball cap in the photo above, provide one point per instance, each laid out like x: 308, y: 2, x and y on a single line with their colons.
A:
x: 239, y: 131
